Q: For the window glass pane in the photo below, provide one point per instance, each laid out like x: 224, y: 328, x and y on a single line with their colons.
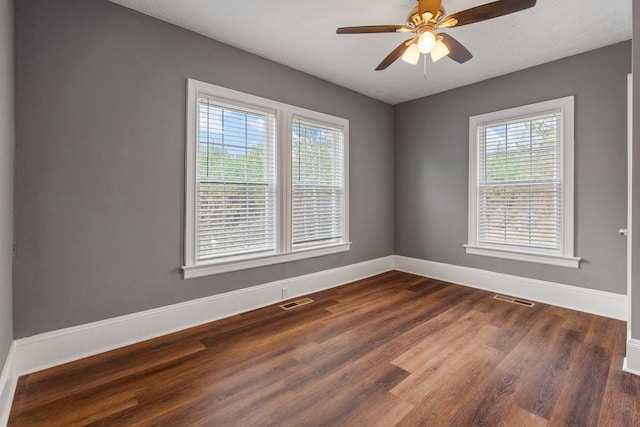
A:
x: 235, y: 205
x: 519, y: 183
x: 318, y: 184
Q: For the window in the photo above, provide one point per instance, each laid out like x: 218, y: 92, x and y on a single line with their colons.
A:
x: 318, y: 184
x: 521, y: 184
x: 235, y: 180
x: 266, y: 182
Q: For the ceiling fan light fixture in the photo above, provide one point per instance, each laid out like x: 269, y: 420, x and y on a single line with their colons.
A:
x: 426, y: 42
x: 430, y: 16
x: 412, y: 54
x: 440, y: 50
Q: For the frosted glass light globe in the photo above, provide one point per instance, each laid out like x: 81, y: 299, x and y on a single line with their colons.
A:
x: 439, y: 51
x: 411, y: 55
x: 426, y: 42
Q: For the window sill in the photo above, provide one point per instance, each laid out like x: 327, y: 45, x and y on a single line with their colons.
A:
x: 562, y: 261
x: 226, y: 266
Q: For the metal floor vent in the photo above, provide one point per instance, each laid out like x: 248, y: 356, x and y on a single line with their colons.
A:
x: 514, y: 300
x: 296, y: 303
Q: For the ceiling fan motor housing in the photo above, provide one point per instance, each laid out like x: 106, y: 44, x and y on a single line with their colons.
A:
x: 414, y: 19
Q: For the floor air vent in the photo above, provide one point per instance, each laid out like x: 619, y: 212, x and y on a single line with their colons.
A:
x: 514, y: 300
x: 296, y: 303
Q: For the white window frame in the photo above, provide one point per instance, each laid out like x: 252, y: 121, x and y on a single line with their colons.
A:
x: 564, y: 256
x: 284, y: 119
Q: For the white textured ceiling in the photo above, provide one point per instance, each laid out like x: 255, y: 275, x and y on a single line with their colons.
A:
x: 302, y: 35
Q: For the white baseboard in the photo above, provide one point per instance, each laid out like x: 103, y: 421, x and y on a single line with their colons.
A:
x: 65, y: 345
x: 8, y: 382
x: 582, y: 299
x: 632, y: 361
x: 49, y: 349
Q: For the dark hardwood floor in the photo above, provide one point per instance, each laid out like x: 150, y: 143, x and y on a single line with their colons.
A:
x: 394, y: 349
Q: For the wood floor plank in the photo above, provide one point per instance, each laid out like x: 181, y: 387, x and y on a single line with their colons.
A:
x: 625, y: 410
x: 78, y: 377
x: 440, y: 343
x: 492, y: 399
x: 78, y: 411
x: 515, y: 325
x: 393, y: 349
x: 347, y: 401
x: 550, y: 374
x: 580, y: 322
x: 605, y: 333
x: 625, y: 407
x: 579, y: 404
x: 363, y: 311
x: 517, y: 373
x: 426, y: 382
x: 516, y: 416
x: 450, y: 394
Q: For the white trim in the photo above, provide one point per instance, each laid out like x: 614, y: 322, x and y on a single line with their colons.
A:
x: 200, y: 270
x: 53, y: 348
x: 576, y: 298
x: 632, y: 361
x: 284, y: 115
x: 8, y: 383
x: 235, y: 96
x: 565, y: 255
x: 284, y: 198
x: 541, y: 258
x: 65, y: 345
x: 190, y: 176
x: 630, y: 203
x: 347, y: 217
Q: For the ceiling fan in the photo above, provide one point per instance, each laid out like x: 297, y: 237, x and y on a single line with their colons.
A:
x: 429, y: 16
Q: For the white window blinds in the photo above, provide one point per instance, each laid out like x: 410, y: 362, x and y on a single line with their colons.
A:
x: 318, y: 184
x: 519, y: 193
x: 235, y: 183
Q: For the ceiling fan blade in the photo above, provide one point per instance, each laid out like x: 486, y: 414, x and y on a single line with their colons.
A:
x: 374, y: 29
x: 432, y: 6
x: 489, y: 11
x: 457, y: 51
x: 395, y: 54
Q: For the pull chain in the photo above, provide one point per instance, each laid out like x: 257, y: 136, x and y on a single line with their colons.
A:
x: 425, y: 66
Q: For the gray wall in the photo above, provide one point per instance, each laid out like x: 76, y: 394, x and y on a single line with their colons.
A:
x: 6, y: 176
x: 100, y: 130
x: 99, y: 189
x: 432, y: 166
